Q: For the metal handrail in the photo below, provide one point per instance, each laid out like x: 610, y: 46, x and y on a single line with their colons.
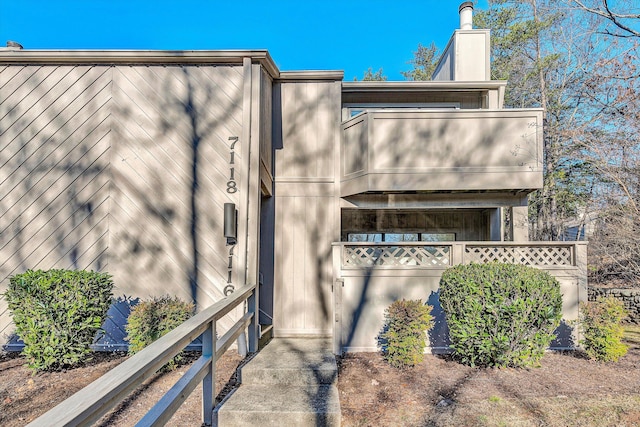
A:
x: 89, y: 404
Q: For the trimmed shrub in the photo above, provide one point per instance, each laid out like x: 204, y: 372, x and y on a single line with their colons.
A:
x: 602, y: 331
x: 500, y: 314
x: 406, y: 324
x: 153, y: 319
x: 57, y: 314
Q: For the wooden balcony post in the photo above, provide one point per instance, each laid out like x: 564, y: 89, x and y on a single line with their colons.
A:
x: 520, y: 223
x: 338, y: 283
x: 457, y: 253
x: 580, y: 251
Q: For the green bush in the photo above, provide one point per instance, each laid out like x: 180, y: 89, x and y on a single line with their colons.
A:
x: 404, y: 335
x: 57, y: 314
x: 500, y: 314
x: 602, y: 331
x: 153, y: 319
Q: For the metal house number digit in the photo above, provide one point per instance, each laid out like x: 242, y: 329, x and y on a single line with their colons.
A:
x: 232, y: 186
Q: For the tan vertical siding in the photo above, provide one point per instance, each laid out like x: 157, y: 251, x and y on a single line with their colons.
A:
x: 305, y: 218
x: 308, y: 123
x: 304, y: 232
x: 266, y: 109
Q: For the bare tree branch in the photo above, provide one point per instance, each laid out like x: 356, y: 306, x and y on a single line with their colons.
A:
x: 614, y: 17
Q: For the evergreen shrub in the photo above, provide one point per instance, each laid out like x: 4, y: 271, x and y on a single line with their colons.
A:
x: 602, y: 331
x: 154, y: 318
x: 500, y: 314
x: 57, y: 314
x: 404, y: 336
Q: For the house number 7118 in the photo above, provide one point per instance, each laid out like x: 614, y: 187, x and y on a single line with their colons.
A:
x: 232, y: 186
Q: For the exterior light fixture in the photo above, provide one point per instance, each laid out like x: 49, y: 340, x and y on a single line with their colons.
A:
x: 230, y: 223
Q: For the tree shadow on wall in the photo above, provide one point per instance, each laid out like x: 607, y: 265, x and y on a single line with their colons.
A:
x: 54, y: 162
x: 172, y: 173
x: 124, y: 171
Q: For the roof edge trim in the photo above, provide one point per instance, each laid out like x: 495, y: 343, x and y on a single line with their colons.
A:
x: 129, y: 57
x: 421, y: 85
x: 312, y: 75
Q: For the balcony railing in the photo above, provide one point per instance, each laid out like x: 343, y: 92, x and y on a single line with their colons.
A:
x: 444, y: 254
x: 369, y: 276
x: 431, y: 150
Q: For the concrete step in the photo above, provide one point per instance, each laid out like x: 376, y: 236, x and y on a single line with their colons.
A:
x: 280, y: 405
x: 295, y: 362
x: 290, y: 382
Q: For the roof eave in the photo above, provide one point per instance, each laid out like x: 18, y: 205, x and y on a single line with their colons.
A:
x: 32, y: 56
x: 431, y: 85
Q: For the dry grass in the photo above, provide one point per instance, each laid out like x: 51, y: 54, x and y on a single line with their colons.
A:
x: 549, y: 411
x: 567, y: 390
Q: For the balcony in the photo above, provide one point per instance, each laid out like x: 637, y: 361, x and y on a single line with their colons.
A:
x: 370, y: 276
x: 441, y: 150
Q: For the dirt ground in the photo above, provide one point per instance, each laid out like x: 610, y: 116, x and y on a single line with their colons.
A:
x: 567, y: 390
x: 24, y: 397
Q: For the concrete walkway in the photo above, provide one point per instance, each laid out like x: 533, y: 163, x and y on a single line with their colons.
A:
x: 290, y: 382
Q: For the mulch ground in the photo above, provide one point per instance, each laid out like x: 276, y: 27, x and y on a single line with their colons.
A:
x: 567, y: 390
x: 24, y: 396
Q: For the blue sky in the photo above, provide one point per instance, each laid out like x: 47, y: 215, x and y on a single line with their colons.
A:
x: 300, y: 35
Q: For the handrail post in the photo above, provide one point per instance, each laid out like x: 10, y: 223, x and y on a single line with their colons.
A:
x: 209, y: 381
x: 254, y: 326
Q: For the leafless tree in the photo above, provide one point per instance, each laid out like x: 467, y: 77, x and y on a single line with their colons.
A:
x: 623, y: 15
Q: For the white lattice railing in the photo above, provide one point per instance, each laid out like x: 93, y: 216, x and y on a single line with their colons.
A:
x: 420, y: 256
x: 541, y: 254
x: 526, y: 255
